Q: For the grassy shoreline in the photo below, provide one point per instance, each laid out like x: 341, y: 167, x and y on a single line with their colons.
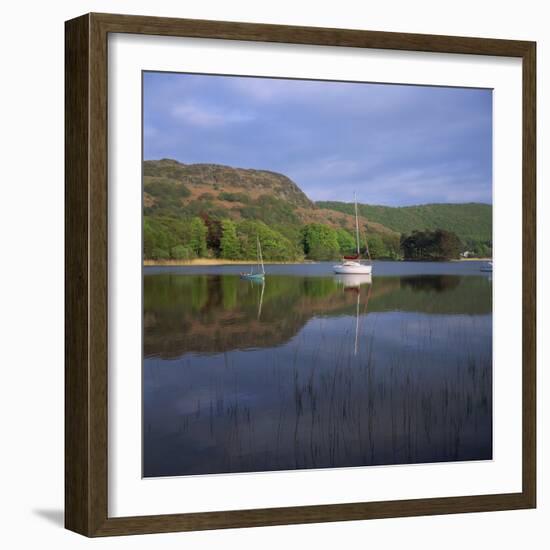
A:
x: 215, y: 261
x: 219, y: 261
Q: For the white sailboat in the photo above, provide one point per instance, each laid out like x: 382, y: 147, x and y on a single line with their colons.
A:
x: 352, y: 265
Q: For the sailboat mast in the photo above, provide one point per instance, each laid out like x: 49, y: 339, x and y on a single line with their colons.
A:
x: 356, y: 222
x: 260, y: 253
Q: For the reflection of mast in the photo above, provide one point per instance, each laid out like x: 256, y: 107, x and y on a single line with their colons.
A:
x: 261, y: 300
x: 357, y: 313
x: 357, y: 322
x: 353, y: 283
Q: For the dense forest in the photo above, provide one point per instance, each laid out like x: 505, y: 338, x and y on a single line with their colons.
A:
x: 431, y: 245
x: 210, y: 211
x: 471, y: 222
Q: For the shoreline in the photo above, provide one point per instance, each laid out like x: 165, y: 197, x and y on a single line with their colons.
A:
x: 473, y: 260
x: 220, y: 262
x: 215, y: 261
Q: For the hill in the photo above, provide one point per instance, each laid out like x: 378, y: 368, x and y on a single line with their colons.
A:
x: 178, y: 198
x: 472, y: 222
x: 226, y: 181
x: 209, y: 210
x: 173, y: 188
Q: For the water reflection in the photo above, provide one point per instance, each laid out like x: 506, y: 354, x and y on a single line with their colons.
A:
x: 309, y: 372
x: 216, y: 313
x: 431, y: 283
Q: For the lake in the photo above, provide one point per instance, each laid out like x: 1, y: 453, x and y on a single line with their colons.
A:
x: 314, y: 370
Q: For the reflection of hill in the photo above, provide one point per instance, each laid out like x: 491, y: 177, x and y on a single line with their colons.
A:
x: 200, y: 313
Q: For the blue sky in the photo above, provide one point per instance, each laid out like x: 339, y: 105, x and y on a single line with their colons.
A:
x: 394, y: 145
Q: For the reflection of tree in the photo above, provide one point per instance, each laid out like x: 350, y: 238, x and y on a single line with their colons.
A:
x: 426, y: 283
x: 214, y: 313
x: 218, y: 313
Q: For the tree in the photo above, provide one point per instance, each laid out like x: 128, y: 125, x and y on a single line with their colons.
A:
x: 229, y: 243
x: 181, y: 252
x: 155, y: 238
x: 376, y: 246
x: 213, y: 233
x: 159, y: 254
x: 346, y: 241
x: 197, y: 240
x: 431, y: 245
x: 274, y: 245
x: 320, y: 242
x: 448, y: 244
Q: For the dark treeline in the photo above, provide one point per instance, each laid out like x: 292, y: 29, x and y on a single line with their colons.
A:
x: 431, y: 245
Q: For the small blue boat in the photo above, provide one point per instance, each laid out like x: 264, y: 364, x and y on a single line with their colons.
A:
x: 487, y: 267
x: 256, y: 276
x: 253, y: 276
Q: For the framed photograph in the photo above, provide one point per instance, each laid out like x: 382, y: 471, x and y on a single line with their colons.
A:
x: 300, y: 274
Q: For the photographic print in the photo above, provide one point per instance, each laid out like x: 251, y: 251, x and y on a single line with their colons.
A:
x: 317, y: 274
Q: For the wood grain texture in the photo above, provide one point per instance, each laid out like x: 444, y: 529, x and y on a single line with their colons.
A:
x: 164, y: 26
x: 529, y: 274
x: 86, y: 279
x: 77, y: 459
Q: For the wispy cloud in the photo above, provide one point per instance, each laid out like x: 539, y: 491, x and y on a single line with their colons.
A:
x: 392, y: 144
x: 207, y: 116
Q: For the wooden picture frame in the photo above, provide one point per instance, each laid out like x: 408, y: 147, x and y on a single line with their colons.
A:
x: 86, y: 279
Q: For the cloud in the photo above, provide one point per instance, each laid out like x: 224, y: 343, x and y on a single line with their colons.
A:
x: 149, y: 131
x: 402, y: 186
x: 209, y: 117
x: 393, y: 144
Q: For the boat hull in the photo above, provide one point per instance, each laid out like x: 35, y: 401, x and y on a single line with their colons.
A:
x: 351, y: 280
x: 359, y: 269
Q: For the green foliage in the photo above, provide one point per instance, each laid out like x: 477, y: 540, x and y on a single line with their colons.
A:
x: 270, y: 210
x: 166, y: 168
x: 392, y: 246
x: 431, y: 245
x: 275, y: 246
x: 384, y: 246
x: 472, y: 222
x: 182, y: 252
x: 377, y: 248
x: 155, y: 238
x: 168, y: 234
x: 201, y: 208
x: 234, y: 197
x: 197, y: 238
x: 167, y: 193
x: 206, y: 197
x: 230, y: 248
x: 479, y: 249
x: 217, y: 223
x: 159, y: 254
x: 320, y: 242
x: 346, y: 241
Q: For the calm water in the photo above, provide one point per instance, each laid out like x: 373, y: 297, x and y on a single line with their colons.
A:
x: 313, y: 370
